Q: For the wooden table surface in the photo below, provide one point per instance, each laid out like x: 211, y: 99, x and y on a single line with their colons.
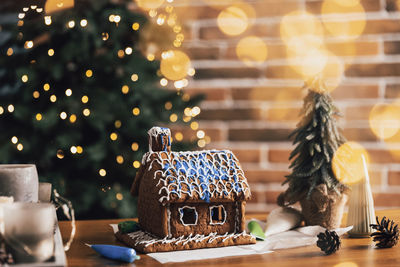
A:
x: 353, y: 252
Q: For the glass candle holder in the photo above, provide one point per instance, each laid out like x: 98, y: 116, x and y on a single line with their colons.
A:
x: 44, y: 192
x: 3, y: 201
x: 19, y: 181
x: 29, y: 231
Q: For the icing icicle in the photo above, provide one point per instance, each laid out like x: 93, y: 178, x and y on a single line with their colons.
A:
x: 146, y: 239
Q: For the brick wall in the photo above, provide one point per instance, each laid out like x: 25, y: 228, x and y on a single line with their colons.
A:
x: 251, y: 110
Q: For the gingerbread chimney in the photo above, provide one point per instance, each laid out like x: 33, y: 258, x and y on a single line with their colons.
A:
x: 159, y: 139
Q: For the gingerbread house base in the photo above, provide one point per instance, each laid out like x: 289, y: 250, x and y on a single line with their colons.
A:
x: 147, y: 243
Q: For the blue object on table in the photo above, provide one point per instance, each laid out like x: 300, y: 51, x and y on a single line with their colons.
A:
x: 116, y: 252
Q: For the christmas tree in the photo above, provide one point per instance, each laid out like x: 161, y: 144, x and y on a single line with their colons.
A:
x: 316, y: 137
x: 77, y: 99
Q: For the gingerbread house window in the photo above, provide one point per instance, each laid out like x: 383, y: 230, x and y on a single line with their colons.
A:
x: 188, y: 215
x: 217, y: 214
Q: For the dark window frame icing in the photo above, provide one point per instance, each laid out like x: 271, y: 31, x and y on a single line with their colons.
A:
x: 223, y: 213
x: 181, y: 215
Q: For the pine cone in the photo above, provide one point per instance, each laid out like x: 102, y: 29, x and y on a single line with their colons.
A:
x: 387, y: 233
x: 328, y: 242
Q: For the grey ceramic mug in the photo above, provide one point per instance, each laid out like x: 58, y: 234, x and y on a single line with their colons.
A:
x: 19, y: 181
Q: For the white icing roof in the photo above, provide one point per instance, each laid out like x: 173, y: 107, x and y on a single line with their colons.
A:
x: 199, y: 175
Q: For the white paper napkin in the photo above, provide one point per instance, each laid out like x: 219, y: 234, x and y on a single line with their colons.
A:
x: 302, y: 236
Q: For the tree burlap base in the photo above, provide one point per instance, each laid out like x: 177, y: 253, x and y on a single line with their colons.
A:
x: 324, y: 207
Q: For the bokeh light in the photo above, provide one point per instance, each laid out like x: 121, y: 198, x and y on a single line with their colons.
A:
x: 102, y: 172
x: 57, y: 5
x: 322, y: 63
x: 151, y: 57
x: 173, y: 117
x: 155, y: 39
x: 85, y: 99
x: 86, y: 112
x: 200, y: 134
x: 349, y: 28
x: 347, y: 164
x: 136, y: 164
x: 68, y: 92
x: 113, y: 136
x: 149, y: 4
x: 310, y: 64
x: 135, y: 26
x: 125, y: 89
x: 10, y: 108
x: 201, y: 143
x: 119, y: 196
x: 71, y: 24
x: 168, y: 105
x: 384, y: 120
x: 117, y: 124
x: 47, y: 20
x: 163, y: 82
x: 178, y: 136
x: 24, y: 78
x: 105, y: 36
x: 252, y: 50
x: 346, y: 263
x: 14, y: 139
x: 134, y: 77
x: 79, y: 149
x: 83, y: 23
x: 28, y: 44
x: 10, y: 51
x: 194, y: 125
x: 72, y: 118
x: 73, y: 149
x: 233, y: 20
x: 63, y: 115
x: 120, y: 53
x: 302, y: 30
x: 333, y: 72
x: 117, y: 19
x: 136, y: 111
x: 195, y: 111
x: 135, y: 146
x: 128, y: 50
x: 120, y: 159
x: 60, y: 154
x: 174, y: 64
x: 89, y: 73
x: 38, y: 117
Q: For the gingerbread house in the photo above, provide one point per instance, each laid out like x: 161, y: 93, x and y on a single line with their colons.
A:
x: 188, y: 200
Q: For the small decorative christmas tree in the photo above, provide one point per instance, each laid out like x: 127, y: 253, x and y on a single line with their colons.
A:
x: 77, y: 98
x: 312, y: 181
